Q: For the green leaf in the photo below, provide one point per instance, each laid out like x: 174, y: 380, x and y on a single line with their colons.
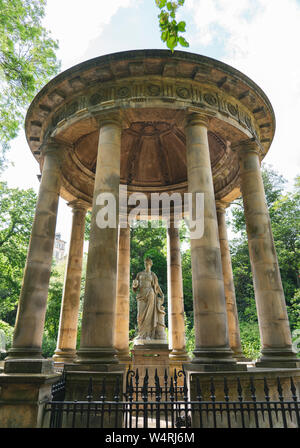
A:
x: 181, y: 26
x: 162, y: 3
x: 183, y: 42
x: 164, y: 36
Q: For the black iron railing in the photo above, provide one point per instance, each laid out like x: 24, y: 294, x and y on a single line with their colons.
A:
x: 169, y: 406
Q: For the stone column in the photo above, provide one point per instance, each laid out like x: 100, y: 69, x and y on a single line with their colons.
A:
x: 271, y: 307
x: 67, y: 333
x: 26, y: 352
x: 123, y: 286
x: 99, y: 308
x: 175, y: 296
x: 211, y: 332
x: 232, y: 314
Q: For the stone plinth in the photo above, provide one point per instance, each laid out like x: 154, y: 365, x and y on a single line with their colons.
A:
x: 258, y: 376
x: 151, y: 356
x: 22, y: 399
x: 77, y: 386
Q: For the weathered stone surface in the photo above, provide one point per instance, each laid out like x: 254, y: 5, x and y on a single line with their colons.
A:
x: 67, y: 333
x: 29, y: 326
x: 258, y: 376
x: 211, y: 332
x: 98, y: 320
x: 22, y: 399
x: 175, y: 296
x: 153, y: 89
x: 271, y: 307
x: 232, y: 315
x: 122, y: 305
x: 151, y: 314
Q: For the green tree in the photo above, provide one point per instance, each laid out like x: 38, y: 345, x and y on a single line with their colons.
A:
x: 16, y: 217
x: 27, y: 61
x: 169, y: 27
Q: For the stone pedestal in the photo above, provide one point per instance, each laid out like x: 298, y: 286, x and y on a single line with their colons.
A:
x: 22, y: 399
x: 257, y: 375
x: 77, y: 386
x: 151, y: 356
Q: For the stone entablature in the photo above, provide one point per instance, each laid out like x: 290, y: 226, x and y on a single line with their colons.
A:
x: 150, y: 86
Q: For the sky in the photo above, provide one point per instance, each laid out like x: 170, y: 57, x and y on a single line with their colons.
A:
x: 258, y: 37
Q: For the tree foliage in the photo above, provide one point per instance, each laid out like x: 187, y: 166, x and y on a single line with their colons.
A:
x: 16, y: 217
x: 27, y: 61
x: 169, y: 27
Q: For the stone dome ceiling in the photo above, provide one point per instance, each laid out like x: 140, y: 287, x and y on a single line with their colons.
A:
x: 153, y: 154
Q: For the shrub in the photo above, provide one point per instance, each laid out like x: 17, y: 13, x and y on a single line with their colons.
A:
x: 250, y: 339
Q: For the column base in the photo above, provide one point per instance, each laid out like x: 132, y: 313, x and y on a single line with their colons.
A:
x: 64, y: 355
x: 98, y: 355
x: 213, y: 355
x: 278, y: 358
x: 239, y: 356
x: 214, y: 359
x: 123, y: 356
x: 179, y: 356
x: 38, y: 366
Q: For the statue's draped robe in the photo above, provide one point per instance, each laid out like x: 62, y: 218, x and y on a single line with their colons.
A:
x: 148, y: 304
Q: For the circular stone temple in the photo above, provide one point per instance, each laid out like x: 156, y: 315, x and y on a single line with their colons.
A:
x: 152, y: 92
x: 154, y: 122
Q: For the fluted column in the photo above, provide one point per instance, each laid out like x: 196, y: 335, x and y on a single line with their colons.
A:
x: 175, y: 295
x: 123, y: 286
x: 68, y: 323
x: 232, y: 314
x: 28, y: 334
x: 271, y: 307
x: 211, y: 332
x: 99, y: 308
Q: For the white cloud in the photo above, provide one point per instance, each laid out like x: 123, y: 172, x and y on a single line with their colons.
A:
x: 75, y: 23
x: 262, y: 40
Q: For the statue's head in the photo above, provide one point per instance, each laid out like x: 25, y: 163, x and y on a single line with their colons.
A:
x: 148, y: 262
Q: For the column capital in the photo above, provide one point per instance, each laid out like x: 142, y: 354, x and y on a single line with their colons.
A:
x: 222, y: 205
x: 193, y: 118
x: 249, y: 145
x: 110, y: 117
x: 52, y: 146
x: 78, y: 205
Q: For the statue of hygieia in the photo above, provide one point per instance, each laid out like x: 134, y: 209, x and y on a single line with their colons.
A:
x: 151, y: 314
